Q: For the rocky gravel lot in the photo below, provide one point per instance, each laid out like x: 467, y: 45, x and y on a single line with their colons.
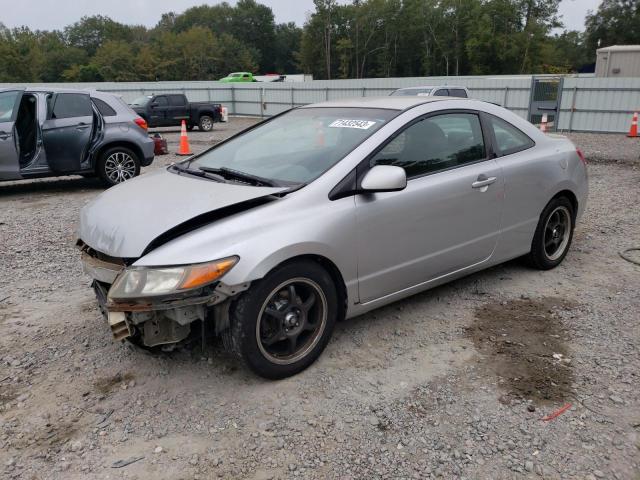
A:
x: 458, y: 382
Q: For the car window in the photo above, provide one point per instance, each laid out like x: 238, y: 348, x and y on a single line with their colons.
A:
x: 457, y: 92
x: 246, y: 75
x: 435, y: 143
x: 176, y: 100
x: 411, y: 92
x: 298, y: 146
x: 104, y: 108
x: 509, y: 139
x: 443, y: 92
x: 161, y: 101
x: 69, y: 105
x: 141, y: 101
x: 7, y: 104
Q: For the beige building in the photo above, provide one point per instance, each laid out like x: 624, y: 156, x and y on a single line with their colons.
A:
x: 618, y: 61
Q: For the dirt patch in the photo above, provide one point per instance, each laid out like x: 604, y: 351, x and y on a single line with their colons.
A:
x: 105, y: 385
x: 7, y: 393
x: 524, y: 343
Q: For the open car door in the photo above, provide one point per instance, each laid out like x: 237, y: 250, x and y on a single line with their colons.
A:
x: 67, y: 130
x: 9, y: 146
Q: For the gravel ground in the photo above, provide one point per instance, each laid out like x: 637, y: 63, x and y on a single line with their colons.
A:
x: 451, y: 383
x: 608, y: 148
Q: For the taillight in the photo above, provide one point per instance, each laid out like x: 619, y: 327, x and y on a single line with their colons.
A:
x: 141, y: 122
x: 581, y: 155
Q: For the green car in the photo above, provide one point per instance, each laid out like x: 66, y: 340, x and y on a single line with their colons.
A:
x: 238, y: 77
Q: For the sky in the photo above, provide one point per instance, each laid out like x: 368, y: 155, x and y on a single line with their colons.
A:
x: 56, y: 14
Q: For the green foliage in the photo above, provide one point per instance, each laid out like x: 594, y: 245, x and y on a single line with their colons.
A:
x: 377, y: 38
x: 616, y: 22
x: 362, y: 38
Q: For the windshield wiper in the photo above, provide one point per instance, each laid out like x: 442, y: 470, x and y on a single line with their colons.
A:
x: 198, y: 173
x: 229, y: 173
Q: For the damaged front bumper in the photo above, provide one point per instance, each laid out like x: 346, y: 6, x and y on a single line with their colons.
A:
x: 163, y: 320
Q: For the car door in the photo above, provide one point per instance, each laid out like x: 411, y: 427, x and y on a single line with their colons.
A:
x: 66, y: 132
x: 178, y: 109
x: 448, y: 217
x: 9, y: 155
x: 159, y: 111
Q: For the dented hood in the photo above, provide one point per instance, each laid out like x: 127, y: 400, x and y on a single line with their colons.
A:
x: 125, y: 219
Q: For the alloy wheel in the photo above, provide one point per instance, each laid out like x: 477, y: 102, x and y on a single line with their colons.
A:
x: 291, y: 321
x: 206, y: 124
x: 119, y: 167
x: 557, y: 232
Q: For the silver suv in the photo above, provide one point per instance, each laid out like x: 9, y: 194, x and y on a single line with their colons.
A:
x: 47, y: 133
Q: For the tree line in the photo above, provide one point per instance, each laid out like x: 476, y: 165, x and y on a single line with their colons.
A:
x: 365, y: 38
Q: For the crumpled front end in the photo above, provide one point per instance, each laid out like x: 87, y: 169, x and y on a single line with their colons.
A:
x: 163, y: 320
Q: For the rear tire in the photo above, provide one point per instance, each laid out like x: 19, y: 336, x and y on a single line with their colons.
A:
x: 117, y: 164
x: 282, y: 324
x: 553, y: 235
x: 206, y: 123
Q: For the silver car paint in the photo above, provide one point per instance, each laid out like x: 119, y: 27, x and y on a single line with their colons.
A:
x: 174, y: 199
x: 461, y: 228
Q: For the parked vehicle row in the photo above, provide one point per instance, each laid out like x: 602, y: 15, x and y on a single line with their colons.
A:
x: 48, y: 132
x: 327, y: 212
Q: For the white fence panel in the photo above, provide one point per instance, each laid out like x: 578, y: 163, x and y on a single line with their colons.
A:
x: 586, y: 103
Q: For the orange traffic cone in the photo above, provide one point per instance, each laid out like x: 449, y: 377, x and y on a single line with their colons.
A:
x: 184, y: 141
x: 543, y: 124
x: 633, y: 131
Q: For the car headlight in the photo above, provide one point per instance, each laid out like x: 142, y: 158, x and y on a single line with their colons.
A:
x: 139, y: 282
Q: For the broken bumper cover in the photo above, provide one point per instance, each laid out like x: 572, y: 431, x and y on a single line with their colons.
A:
x: 157, y: 320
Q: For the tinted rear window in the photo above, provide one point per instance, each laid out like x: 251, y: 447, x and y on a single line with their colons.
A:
x: 457, y: 92
x: 69, y: 105
x: 176, y: 100
x: 104, y: 108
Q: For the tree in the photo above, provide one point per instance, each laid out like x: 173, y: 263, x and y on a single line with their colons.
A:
x: 235, y: 56
x: 616, y: 22
x: 90, y: 33
x: 115, y: 61
x: 288, y: 38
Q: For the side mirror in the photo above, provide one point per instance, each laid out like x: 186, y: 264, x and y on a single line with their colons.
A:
x: 154, y: 104
x: 384, y: 178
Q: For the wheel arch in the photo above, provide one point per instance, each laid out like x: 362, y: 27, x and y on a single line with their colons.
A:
x: 571, y: 197
x: 118, y: 143
x: 333, y: 271
x: 206, y: 113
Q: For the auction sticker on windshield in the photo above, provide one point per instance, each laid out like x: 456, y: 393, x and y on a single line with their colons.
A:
x: 361, y: 124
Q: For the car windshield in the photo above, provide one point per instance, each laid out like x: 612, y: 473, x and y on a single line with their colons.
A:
x: 297, y: 147
x: 412, y: 92
x: 141, y: 101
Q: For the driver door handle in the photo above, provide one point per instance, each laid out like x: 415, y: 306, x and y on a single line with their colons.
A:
x: 4, y: 135
x: 483, y: 181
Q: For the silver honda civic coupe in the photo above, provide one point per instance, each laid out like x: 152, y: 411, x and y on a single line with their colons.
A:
x: 323, y: 213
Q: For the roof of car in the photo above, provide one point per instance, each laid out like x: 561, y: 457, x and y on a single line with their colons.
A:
x: 54, y: 90
x: 420, y: 87
x: 389, y: 103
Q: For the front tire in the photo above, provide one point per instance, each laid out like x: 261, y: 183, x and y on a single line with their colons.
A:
x: 206, y: 123
x: 282, y: 324
x: 117, y: 165
x: 553, y: 235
